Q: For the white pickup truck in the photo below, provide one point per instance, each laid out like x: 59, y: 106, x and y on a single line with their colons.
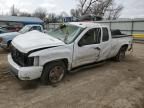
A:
x: 50, y: 56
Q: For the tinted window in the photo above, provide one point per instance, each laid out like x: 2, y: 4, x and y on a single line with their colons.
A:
x: 93, y: 36
x: 38, y: 28
x: 105, y: 35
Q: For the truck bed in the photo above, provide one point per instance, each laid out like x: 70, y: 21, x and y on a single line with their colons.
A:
x: 117, y: 34
x: 120, y: 36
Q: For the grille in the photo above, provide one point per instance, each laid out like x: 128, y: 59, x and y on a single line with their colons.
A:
x: 20, y: 58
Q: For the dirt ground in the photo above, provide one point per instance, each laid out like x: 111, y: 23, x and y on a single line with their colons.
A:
x: 109, y: 85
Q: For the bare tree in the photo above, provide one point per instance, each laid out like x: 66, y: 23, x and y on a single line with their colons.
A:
x: 52, y: 17
x: 114, y: 12
x: 25, y: 14
x: 85, y: 6
x: 75, y: 12
x: 14, y: 11
x: 117, y: 12
x: 101, y: 8
x: 40, y: 12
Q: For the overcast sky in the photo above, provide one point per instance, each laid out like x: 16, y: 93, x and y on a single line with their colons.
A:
x: 132, y: 8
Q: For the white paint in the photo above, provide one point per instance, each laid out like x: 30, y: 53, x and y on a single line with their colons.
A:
x: 25, y: 73
x: 34, y: 40
x: 75, y: 54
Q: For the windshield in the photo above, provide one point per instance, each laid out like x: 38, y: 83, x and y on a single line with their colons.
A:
x: 67, y: 33
x: 25, y: 29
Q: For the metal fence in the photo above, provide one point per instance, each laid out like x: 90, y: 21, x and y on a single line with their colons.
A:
x: 131, y: 26
x: 135, y: 26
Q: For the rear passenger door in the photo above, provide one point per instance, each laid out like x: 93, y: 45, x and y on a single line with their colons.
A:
x: 105, y: 44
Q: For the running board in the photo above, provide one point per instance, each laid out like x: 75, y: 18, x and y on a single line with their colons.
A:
x: 87, y: 66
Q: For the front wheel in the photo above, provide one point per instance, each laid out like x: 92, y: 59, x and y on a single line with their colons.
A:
x: 121, y: 54
x: 53, y: 72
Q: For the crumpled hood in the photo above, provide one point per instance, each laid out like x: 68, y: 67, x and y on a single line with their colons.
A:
x: 34, y: 40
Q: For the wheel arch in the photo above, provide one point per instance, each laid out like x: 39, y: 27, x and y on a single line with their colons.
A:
x: 46, y: 70
x: 64, y: 60
x: 125, y: 47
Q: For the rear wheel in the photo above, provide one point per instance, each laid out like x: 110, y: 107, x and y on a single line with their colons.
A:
x: 53, y: 72
x: 121, y: 54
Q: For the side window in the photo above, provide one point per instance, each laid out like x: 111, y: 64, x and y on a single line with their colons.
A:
x: 105, y: 35
x: 88, y: 38
x: 38, y: 28
x: 93, y: 36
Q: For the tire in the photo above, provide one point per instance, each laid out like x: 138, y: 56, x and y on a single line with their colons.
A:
x: 53, y: 72
x: 121, y: 55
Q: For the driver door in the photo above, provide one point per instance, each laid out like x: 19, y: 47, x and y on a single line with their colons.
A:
x: 87, y: 49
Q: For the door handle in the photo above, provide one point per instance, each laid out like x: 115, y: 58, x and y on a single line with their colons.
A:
x: 97, y: 48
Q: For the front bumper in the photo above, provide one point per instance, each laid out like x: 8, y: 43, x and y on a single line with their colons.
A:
x: 24, y: 73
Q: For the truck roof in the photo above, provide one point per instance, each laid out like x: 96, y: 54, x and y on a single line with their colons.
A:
x: 87, y: 24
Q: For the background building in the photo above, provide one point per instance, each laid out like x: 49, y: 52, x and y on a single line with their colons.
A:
x: 14, y: 23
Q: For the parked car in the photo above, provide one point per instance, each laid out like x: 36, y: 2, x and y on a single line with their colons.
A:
x: 6, y: 38
x: 72, y: 45
x: 2, y: 30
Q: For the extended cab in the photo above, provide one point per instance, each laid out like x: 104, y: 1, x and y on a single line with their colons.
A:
x: 6, y: 38
x: 50, y: 56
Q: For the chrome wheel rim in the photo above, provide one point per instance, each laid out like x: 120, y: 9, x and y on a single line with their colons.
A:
x: 56, y: 74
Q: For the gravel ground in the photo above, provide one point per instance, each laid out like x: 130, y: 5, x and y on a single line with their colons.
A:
x: 109, y: 85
